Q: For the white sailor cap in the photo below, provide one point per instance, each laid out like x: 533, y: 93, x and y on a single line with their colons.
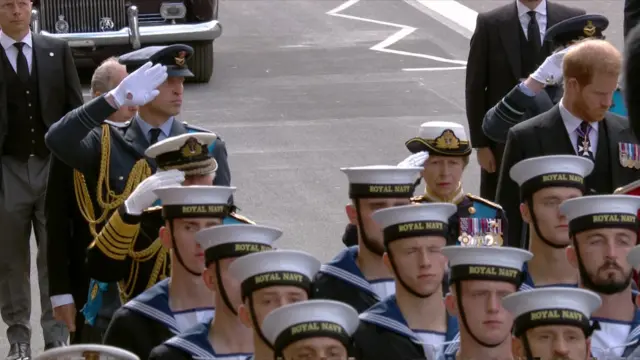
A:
x: 194, y: 201
x: 381, y: 181
x: 310, y: 319
x: 486, y: 263
x: 407, y: 221
x: 230, y: 241
x: 187, y: 152
x: 87, y: 351
x: 601, y: 211
x: 274, y: 268
x: 441, y: 138
x: 536, y: 173
x: 552, y: 306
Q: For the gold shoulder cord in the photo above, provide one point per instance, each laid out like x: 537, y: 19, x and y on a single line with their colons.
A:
x: 139, y: 172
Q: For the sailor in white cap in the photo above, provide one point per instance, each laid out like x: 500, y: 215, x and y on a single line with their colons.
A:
x: 182, y: 159
x: 357, y: 275
x: 480, y: 277
x: 448, y: 146
x: 413, y: 323
x: 269, y: 280
x: 545, y: 182
x: 87, y: 351
x: 225, y: 336
x: 312, y: 330
x: 604, y: 231
x: 181, y: 301
x: 552, y: 323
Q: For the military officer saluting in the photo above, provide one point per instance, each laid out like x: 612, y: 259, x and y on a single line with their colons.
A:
x: 604, y: 231
x: 477, y: 221
x: 545, y: 182
x: 357, y: 275
x: 181, y: 301
x: 225, y: 337
x: 552, y: 323
x: 480, y: 278
x: 413, y: 323
x: 312, y: 330
x: 269, y: 280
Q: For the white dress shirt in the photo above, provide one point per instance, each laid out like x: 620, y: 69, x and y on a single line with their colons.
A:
x: 572, y: 124
x: 541, y: 17
x: 12, y: 51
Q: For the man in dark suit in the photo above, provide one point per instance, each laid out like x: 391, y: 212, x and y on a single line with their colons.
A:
x: 632, y: 78
x: 38, y: 85
x: 631, y: 15
x: 580, y: 124
x: 507, y: 46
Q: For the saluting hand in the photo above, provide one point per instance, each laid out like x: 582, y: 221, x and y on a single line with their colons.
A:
x: 139, y: 87
x: 550, y: 72
x: 143, y: 196
x: 414, y: 160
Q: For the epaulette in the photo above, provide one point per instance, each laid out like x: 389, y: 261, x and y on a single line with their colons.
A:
x: 119, y: 125
x: 195, y: 128
x: 241, y: 218
x: 484, y: 201
x: 153, y: 208
x: 417, y: 199
x: 627, y: 188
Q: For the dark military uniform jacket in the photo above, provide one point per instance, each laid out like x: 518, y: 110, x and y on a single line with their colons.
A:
x: 191, y: 344
x: 383, y: 333
x: 341, y: 280
x: 144, y: 322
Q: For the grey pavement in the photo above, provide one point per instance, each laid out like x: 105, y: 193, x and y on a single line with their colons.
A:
x: 297, y: 94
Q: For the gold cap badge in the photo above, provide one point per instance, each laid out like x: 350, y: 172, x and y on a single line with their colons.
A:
x: 91, y: 355
x: 589, y: 30
x: 180, y: 59
x: 447, y: 141
x: 191, y: 148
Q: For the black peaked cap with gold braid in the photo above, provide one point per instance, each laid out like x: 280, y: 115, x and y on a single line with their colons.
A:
x: 174, y: 57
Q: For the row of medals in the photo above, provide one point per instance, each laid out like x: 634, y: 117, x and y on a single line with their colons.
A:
x: 490, y: 239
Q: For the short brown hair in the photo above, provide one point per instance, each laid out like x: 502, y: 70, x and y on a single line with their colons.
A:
x: 589, y: 58
x: 102, y: 79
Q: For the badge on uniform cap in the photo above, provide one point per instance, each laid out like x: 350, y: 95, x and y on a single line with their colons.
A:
x: 180, y: 59
x: 589, y: 30
x: 192, y: 148
x: 447, y: 141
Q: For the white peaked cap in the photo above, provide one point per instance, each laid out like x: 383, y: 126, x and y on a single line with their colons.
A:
x: 281, y: 319
x: 254, y: 264
x: 382, y: 174
x: 581, y: 300
x: 409, y: 213
x: 194, y: 195
x: 237, y: 233
x: 533, y: 167
x: 600, y: 204
x: 432, y: 129
x: 174, y: 143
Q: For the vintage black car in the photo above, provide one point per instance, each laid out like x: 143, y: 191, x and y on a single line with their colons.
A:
x: 98, y: 29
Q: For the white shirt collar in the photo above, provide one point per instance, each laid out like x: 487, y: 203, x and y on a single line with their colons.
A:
x: 572, y: 122
x: 523, y: 10
x: 8, y: 42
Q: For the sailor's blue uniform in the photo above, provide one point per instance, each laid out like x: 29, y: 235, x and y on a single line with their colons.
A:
x: 385, y: 334
x: 628, y: 349
x: 528, y: 284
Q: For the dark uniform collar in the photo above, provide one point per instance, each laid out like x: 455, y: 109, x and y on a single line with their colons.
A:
x: 195, y: 342
x: 345, y: 268
x: 153, y: 303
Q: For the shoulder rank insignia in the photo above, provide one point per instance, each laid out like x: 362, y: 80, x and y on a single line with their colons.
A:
x: 418, y: 199
x: 153, y: 208
x: 118, y: 124
x: 484, y: 201
x: 242, y: 218
x: 195, y: 128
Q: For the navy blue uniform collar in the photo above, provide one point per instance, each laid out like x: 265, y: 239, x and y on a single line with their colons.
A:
x: 195, y: 342
x: 387, y: 315
x: 153, y: 303
x: 345, y: 268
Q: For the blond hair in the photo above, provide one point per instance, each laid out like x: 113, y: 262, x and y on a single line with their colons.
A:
x: 591, y: 57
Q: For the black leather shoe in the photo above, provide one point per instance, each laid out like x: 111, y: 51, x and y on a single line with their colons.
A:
x: 54, y: 344
x: 19, y: 351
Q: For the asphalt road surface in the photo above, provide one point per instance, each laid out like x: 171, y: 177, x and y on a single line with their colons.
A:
x: 303, y: 88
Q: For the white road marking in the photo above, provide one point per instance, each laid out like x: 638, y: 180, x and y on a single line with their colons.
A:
x: 450, y: 13
x: 399, y: 35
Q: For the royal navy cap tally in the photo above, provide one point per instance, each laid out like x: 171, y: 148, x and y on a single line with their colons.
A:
x: 601, y: 211
x: 174, y: 57
x: 552, y: 306
x: 407, y: 221
x: 186, y: 152
x: 381, y: 181
x: 194, y: 201
x: 577, y: 28
x: 229, y: 241
x: 486, y: 263
x: 441, y: 138
x: 274, y: 268
x: 310, y: 319
x: 541, y: 172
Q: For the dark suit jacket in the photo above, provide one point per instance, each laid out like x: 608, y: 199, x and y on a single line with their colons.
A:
x: 544, y: 135
x: 494, y: 66
x: 631, y: 15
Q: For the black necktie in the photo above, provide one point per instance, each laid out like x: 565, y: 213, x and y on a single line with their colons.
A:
x: 533, y: 33
x: 22, y: 66
x: 584, y: 143
x: 155, y: 133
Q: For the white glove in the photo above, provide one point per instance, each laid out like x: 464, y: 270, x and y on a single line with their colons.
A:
x: 139, y: 87
x: 414, y: 160
x: 550, y: 72
x: 143, y: 196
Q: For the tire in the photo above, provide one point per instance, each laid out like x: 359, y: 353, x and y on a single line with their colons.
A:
x: 201, y: 63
